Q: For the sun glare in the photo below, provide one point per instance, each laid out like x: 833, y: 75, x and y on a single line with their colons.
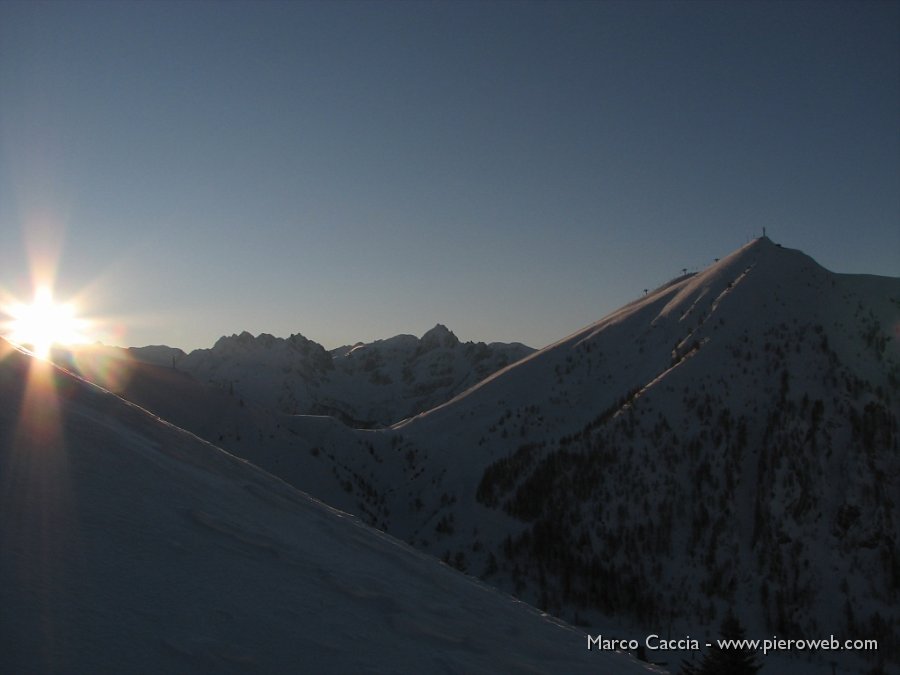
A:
x: 44, y: 323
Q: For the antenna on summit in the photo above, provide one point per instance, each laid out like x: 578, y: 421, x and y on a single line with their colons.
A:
x: 764, y: 231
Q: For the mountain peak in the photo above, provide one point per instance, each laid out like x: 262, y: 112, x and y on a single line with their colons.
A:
x: 227, y: 341
x: 765, y: 369
x: 441, y: 336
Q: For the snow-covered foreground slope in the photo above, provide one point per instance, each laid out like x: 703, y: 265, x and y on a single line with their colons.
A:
x: 285, y: 445
x: 128, y: 545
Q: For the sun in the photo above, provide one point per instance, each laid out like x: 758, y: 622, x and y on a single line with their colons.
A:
x: 44, y: 323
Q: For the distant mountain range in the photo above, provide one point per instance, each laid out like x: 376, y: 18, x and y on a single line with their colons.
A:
x: 728, y: 442
x: 364, y: 385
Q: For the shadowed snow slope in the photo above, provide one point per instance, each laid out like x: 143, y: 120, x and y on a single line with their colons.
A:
x: 129, y: 545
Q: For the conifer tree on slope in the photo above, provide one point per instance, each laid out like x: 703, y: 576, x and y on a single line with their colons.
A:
x: 720, y: 661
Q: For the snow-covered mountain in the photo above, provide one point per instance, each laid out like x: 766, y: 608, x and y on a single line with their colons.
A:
x: 730, y: 440
x: 364, y: 385
x: 727, y: 441
x: 131, y: 546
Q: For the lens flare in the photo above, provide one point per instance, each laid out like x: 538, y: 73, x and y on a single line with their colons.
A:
x: 44, y: 323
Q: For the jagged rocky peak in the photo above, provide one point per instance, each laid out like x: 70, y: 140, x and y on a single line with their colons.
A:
x: 227, y: 342
x: 439, y: 336
x: 299, y: 341
x: 268, y: 341
x: 311, y: 349
x: 265, y: 342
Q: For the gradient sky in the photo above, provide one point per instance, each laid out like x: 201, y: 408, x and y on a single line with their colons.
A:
x: 351, y: 171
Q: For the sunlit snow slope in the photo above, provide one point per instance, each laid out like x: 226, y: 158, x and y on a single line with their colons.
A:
x: 128, y: 545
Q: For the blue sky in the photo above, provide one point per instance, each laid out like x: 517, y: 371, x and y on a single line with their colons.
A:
x: 351, y: 171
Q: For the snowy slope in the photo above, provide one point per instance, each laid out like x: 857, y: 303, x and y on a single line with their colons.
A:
x: 729, y: 441
x: 129, y: 545
x: 733, y: 431
x: 364, y: 385
x: 296, y: 448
